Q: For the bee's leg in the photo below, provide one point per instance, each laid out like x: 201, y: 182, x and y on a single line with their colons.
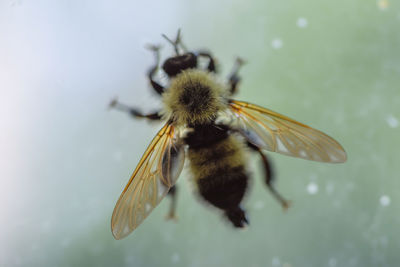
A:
x: 211, y: 63
x: 234, y: 78
x: 269, y: 177
x: 133, y: 111
x: 155, y: 85
x: 171, y: 214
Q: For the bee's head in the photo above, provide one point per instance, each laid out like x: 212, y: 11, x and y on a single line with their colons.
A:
x: 194, y: 97
x: 174, y: 65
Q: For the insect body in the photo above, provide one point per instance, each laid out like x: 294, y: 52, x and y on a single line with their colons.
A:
x: 214, y: 130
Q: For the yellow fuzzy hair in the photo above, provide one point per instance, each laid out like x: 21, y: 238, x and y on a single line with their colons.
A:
x: 186, y: 81
x: 233, y: 156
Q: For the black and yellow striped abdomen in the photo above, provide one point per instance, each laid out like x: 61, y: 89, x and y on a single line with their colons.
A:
x: 221, y: 158
x: 217, y: 162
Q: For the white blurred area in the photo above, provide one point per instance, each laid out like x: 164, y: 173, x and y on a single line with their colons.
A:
x: 61, y: 62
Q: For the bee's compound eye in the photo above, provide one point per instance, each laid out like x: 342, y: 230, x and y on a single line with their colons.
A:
x: 175, y: 65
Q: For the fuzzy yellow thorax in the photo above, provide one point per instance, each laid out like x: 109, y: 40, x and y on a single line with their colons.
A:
x: 194, y: 97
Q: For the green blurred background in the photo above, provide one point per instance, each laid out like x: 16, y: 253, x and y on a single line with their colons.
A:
x: 65, y: 158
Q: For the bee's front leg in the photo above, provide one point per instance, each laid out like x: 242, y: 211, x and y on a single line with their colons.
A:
x: 234, y: 77
x: 155, y: 85
x: 155, y: 116
x: 211, y: 63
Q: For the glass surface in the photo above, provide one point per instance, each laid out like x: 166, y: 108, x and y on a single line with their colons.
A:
x: 65, y: 158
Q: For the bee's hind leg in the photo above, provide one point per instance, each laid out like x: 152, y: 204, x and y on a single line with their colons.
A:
x: 155, y: 116
x: 173, y: 194
x: 269, y: 177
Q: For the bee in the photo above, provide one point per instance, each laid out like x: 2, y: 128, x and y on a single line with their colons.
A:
x: 213, y: 131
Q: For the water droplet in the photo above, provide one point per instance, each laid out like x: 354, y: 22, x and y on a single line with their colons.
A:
x: 259, y: 205
x: 277, y: 43
x: 384, y: 200
x: 383, y: 4
x: 175, y: 258
x: 332, y: 262
x: 148, y: 207
x: 312, y: 188
x: 302, y: 22
x: 130, y: 260
x: 392, y: 121
x: 384, y: 240
x: 276, y: 261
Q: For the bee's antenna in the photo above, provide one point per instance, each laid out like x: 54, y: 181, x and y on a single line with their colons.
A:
x: 178, y: 37
x: 177, y: 41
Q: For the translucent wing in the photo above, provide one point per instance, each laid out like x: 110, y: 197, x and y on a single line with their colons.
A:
x: 155, y: 174
x: 275, y: 132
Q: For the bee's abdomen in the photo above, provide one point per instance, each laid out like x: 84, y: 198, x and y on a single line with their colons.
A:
x: 206, y: 135
x: 214, y: 152
x: 224, y: 189
x: 219, y: 172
